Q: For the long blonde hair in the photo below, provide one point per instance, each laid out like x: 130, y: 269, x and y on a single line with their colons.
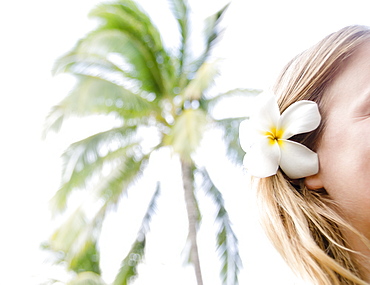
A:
x: 304, y: 225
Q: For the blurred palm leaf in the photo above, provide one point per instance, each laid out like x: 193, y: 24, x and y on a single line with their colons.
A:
x: 187, y: 131
x: 87, y: 278
x: 128, y: 270
x: 226, y: 240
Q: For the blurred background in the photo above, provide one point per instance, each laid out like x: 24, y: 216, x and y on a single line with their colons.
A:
x: 259, y: 39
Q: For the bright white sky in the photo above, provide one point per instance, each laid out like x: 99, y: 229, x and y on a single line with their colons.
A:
x: 261, y: 37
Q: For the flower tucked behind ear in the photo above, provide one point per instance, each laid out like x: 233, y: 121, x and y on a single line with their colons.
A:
x: 264, y: 138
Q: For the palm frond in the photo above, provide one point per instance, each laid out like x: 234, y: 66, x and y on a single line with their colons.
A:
x: 180, y: 10
x: 87, y: 259
x: 187, y: 132
x: 204, y: 77
x: 128, y: 270
x: 227, y: 243
x: 98, y: 148
x: 121, y: 177
x: 92, y: 96
x: 230, y: 129
x: 212, y: 34
x: 210, y: 103
x: 109, y: 55
x: 144, y: 38
x: 85, y: 159
x: 77, y: 237
x: 76, y: 242
x: 64, y: 238
x: 83, y: 61
x: 86, y: 278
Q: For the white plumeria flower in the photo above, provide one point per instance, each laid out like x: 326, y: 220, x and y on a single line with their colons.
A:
x: 264, y: 138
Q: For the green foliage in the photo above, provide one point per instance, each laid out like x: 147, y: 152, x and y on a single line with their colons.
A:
x: 76, y: 243
x: 144, y: 48
x: 211, y: 35
x: 87, y: 259
x: 128, y: 270
x: 226, y: 240
x: 203, y: 79
x: 124, y: 71
x: 86, y: 278
x: 186, y: 134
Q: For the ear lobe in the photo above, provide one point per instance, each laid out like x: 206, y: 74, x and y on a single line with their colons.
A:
x: 314, y: 182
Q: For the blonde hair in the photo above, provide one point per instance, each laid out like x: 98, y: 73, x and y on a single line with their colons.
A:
x: 306, y: 226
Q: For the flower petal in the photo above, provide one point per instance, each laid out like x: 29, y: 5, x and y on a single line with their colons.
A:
x: 297, y: 161
x: 247, y: 135
x: 262, y: 159
x: 266, y: 113
x: 300, y: 117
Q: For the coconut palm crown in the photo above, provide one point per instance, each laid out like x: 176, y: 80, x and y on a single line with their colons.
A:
x: 124, y: 70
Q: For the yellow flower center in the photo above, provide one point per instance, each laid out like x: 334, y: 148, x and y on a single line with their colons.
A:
x: 275, y: 135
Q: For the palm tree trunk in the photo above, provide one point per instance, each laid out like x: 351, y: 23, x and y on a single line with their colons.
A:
x: 188, y: 179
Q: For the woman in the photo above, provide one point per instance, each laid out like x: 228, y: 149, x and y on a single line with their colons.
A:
x: 315, y: 199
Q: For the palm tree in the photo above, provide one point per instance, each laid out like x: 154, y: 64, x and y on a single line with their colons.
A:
x: 124, y: 70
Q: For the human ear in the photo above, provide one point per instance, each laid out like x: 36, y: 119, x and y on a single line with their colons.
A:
x: 314, y: 182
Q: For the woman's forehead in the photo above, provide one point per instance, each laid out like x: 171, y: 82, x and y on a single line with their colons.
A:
x: 351, y: 85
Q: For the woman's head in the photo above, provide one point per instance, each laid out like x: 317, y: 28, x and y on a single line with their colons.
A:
x: 309, y: 75
x: 313, y: 220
